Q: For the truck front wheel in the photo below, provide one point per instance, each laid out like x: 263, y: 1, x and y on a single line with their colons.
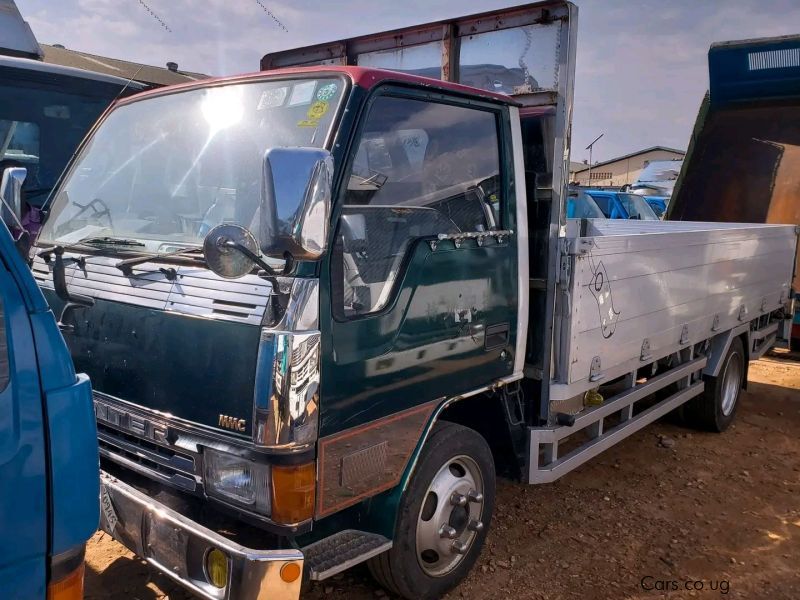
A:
x: 443, y: 517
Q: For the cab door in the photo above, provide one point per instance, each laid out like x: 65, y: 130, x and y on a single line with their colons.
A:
x: 422, y: 274
x: 422, y: 282
x: 24, y: 508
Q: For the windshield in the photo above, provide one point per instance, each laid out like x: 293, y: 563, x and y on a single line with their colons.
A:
x: 582, y: 206
x: 163, y: 171
x: 637, y: 207
x: 629, y: 206
x: 40, y: 126
x: 658, y: 204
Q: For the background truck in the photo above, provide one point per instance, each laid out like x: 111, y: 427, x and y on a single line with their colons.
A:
x: 620, y: 205
x: 748, y: 124
x: 45, y: 111
x: 48, y: 440
x: 324, y: 305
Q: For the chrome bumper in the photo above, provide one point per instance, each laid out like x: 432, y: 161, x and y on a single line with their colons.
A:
x: 177, y: 546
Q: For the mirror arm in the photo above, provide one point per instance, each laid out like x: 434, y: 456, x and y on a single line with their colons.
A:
x: 251, y: 255
x: 289, y: 264
x: 73, y: 301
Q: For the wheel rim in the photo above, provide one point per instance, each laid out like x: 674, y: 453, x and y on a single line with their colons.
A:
x: 451, y: 516
x: 731, y: 383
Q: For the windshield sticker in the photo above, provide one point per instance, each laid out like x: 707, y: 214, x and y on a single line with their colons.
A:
x: 272, y: 98
x: 315, y: 112
x: 326, y: 92
x: 302, y: 93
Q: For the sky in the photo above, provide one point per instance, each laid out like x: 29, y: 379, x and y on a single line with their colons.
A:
x: 641, y: 65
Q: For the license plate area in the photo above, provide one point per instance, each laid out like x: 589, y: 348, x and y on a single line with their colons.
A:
x: 178, y: 547
x: 171, y: 552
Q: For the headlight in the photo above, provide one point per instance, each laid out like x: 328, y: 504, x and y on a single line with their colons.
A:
x: 236, y: 479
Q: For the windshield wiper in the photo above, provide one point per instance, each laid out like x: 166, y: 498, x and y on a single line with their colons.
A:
x: 126, y: 266
x: 110, y: 241
x: 88, y: 241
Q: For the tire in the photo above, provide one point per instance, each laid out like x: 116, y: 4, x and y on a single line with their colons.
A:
x: 715, y: 409
x: 454, y: 460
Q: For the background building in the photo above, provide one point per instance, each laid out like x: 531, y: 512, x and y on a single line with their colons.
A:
x: 146, y: 74
x: 623, y: 169
x: 574, y: 167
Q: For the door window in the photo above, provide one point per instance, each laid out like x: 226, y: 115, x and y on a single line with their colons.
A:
x: 421, y: 169
x: 19, y: 146
x: 604, y: 203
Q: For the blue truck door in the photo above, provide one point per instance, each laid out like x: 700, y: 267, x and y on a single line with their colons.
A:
x: 24, y: 507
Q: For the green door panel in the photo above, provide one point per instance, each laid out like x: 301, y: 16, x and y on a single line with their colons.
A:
x: 428, y: 342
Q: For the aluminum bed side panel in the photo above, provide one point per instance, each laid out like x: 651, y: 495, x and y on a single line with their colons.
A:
x: 671, y: 283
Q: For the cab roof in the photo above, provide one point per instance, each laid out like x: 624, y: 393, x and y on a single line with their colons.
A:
x: 363, y: 77
x: 30, y: 65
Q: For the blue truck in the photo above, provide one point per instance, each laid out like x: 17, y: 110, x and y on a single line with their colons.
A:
x: 744, y: 152
x: 621, y: 205
x: 48, y: 446
x: 45, y: 111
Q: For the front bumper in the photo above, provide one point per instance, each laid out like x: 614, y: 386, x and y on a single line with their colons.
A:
x: 177, y: 546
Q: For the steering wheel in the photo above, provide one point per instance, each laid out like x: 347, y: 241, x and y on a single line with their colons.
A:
x: 103, y: 211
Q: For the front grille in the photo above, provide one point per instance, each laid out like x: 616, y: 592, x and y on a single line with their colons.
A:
x: 195, y: 291
x: 150, y: 459
x: 166, y: 453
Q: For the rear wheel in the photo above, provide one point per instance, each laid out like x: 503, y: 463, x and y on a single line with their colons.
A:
x: 443, y: 517
x: 715, y: 408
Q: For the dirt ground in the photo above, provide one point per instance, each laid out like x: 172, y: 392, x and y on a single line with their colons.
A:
x: 699, y: 515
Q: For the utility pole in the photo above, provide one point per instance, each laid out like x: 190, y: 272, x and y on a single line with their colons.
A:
x: 589, y: 148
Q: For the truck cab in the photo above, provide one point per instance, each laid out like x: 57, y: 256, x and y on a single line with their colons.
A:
x: 622, y: 205
x: 48, y: 446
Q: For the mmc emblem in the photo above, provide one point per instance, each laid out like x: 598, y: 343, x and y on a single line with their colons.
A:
x: 232, y: 423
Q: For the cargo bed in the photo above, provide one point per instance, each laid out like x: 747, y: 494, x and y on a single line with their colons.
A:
x: 632, y: 292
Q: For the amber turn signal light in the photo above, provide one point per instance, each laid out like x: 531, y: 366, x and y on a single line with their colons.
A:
x: 293, y: 492
x: 69, y: 587
x: 290, y: 572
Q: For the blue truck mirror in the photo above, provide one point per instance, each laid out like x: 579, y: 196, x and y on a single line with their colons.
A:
x: 11, y: 195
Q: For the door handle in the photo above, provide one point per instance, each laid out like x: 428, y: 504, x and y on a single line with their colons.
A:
x: 496, y: 336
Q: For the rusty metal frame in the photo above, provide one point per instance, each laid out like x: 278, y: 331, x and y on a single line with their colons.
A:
x: 447, y: 32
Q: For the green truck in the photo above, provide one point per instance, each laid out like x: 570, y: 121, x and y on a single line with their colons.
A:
x: 325, y: 305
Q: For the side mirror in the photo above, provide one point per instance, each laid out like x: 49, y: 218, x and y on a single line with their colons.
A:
x: 11, y: 196
x: 295, y: 202
x: 230, y: 251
